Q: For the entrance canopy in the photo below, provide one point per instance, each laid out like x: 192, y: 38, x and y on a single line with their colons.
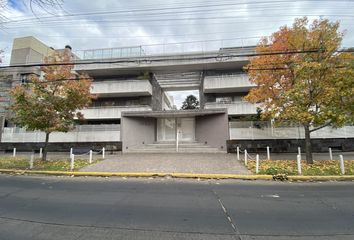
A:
x: 206, y: 126
x: 175, y: 113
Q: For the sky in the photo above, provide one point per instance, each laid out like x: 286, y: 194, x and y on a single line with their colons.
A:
x: 161, y: 26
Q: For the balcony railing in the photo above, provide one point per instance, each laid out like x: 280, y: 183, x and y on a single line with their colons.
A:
x: 232, y: 45
x: 264, y: 130
x: 82, y: 133
x: 111, y: 112
x: 122, y: 88
x: 235, y: 108
x: 227, y: 83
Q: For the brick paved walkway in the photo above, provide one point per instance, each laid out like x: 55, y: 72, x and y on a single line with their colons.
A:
x: 170, y: 162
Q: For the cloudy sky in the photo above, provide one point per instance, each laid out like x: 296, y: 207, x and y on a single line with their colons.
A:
x: 161, y: 25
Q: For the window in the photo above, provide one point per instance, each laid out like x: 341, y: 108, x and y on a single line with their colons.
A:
x: 224, y: 99
x: 24, y: 78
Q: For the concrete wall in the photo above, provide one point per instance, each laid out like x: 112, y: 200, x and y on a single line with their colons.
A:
x: 235, y: 108
x: 223, y: 83
x: 28, y: 50
x: 82, y: 147
x: 201, y: 91
x: 249, y: 130
x: 102, y: 133
x: 157, y: 93
x: 110, y: 112
x: 212, y: 129
x: 5, y: 86
x: 291, y: 145
x: 137, y: 131
x: 122, y: 88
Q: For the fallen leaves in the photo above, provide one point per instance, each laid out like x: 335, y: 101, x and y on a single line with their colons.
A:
x: 289, y: 167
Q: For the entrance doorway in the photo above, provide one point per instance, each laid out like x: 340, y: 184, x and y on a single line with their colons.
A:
x: 167, y: 129
x: 186, y: 129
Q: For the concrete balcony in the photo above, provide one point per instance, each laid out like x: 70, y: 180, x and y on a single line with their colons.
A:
x: 227, y: 83
x: 81, y: 133
x: 111, y: 112
x: 122, y: 88
x: 235, y: 108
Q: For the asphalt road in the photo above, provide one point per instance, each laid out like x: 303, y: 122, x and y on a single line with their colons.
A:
x: 115, y: 208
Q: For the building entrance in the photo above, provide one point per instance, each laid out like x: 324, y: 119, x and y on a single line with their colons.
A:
x: 168, y: 128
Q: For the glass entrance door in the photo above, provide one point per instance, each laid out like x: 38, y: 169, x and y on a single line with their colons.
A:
x: 167, y: 129
x: 186, y: 129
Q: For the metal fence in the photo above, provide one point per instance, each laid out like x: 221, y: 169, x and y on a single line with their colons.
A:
x: 265, y: 130
x: 82, y: 133
x: 203, y: 46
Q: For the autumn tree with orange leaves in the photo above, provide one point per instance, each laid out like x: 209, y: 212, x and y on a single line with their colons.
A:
x: 51, y: 103
x: 303, y: 77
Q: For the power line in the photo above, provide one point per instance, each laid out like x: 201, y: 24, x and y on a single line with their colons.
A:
x: 140, y: 60
x: 166, y: 35
x: 65, y: 21
x: 199, y: 18
x: 173, y: 8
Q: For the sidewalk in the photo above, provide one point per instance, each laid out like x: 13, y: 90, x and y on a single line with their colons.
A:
x: 216, y: 163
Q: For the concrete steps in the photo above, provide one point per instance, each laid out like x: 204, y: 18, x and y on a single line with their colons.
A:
x: 170, y: 147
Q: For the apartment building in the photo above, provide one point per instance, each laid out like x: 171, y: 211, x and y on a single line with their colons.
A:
x: 133, y: 106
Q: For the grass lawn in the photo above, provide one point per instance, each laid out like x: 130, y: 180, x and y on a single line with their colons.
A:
x: 289, y: 167
x: 51, y: 165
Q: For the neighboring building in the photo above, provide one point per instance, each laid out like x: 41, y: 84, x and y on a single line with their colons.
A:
x: 27, y: 50
x: 133, y: 106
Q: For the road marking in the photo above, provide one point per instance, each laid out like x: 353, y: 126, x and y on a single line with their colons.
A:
x: 228, y: 217
x: 271, y: 196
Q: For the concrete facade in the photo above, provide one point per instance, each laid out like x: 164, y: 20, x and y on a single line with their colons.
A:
x: 140, y: 128
x: 131, y: 90
x: 291, y: 145
x: 227, y: 83
x: 212, y: 130
x: 122, y: 88
x: 137, y: 131
x: 28, y: 50
x: 78, y: 147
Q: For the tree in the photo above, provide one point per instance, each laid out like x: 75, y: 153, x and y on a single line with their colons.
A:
x: 303, y: 78
x: 191, y: 102
x: 44, y: 5
x: 50, y: 103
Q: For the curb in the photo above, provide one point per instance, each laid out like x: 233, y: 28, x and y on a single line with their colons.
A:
x: 140, y: 174
x: 177, y: 175
x: 321, y: 178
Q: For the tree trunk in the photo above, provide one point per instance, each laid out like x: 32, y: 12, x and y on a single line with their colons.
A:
x: 44, y: 152
x: 308, y: 146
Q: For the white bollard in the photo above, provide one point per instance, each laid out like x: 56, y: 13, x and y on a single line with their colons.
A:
x: 330, y: 153
x: 90, y: 156
x: 245, y: 157
x: 177, y: 141
x: 31, y: 160
x: 342, y: 170
x: 268, y: 153
x: 257, y: 164
x: 103, y: 152
x: 238, y: 153
x: 71, y: 152
x: 298, y: 160
x: 40, y: 153
x: 299, y: 151
x: 14, y: 152
x: 72, y: 162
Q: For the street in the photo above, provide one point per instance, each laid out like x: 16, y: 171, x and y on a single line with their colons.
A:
x: 37, y: 207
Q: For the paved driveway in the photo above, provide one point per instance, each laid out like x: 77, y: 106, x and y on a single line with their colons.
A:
x: 170, y: 162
